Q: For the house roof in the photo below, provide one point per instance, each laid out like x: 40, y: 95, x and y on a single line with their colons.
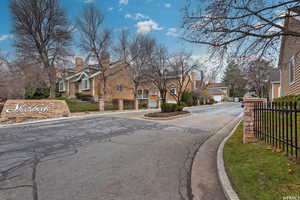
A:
x: 215, y: 91
x: 217, y: 85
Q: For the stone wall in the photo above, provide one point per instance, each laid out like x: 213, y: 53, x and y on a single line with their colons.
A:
x: 22, y: 110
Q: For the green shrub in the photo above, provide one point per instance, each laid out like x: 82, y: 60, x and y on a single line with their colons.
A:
x: 211, y: 101
x: 169, y: 107
x: 84, y: 97
x: 288, y: 98
x: 39, y: 93
x: 180, y: 108
x: 187, y: 98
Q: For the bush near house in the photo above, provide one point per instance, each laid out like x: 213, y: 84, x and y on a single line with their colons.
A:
x: 84, y: 97
x: 39, y: 93
x: 257, y: 172
x: 187, y: 98
x: 289, y: 98
x: 171, y: 107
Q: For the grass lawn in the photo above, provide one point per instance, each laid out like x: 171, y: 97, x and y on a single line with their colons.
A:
x: 257, y: 172
x: 79, y: 107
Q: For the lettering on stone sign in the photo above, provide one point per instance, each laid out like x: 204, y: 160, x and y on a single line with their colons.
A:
x: 25, y: 108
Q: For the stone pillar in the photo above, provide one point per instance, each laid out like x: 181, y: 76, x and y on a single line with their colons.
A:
x: 136, y: 104
x: 159, y: 104
x: 149, y: 104
x: 121, y: 104
x: 101, y: 104
x: 248, y: 135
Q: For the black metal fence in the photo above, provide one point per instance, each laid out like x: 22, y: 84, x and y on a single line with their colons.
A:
x: 277, y: 124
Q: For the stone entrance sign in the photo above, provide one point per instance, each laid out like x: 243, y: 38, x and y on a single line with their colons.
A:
x: 35, y: 109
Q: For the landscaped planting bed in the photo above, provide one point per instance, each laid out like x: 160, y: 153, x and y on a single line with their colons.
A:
x: 257, y: 171
x: 166, y: 114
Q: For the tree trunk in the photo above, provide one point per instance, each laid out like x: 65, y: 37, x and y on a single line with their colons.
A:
x: 52, y: 80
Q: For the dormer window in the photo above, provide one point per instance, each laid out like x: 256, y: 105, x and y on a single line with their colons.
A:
x: 85, y: 84
x: 119, y: 88
x: 291, y: 67
x: 173, y: 91
x: 61, y: 86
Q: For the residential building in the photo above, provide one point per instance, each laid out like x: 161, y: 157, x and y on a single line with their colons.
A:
x: 289, y: 59
x: 85, y: 78
x: 218, y: 91
x: 275, y: 90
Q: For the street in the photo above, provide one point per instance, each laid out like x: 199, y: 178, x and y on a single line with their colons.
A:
x: 112, y: 157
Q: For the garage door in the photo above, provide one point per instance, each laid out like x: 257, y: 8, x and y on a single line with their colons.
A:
x: 218, y: 98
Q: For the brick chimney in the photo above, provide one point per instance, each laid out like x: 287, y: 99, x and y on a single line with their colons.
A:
x: 105, y: 59
x: 78, y: 64
x: 194, y: 80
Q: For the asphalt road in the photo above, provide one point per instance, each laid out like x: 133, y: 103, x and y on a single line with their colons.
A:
x: 112, y: 157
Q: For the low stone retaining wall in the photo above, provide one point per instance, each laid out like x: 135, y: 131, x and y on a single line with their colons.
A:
x: 22, y: 110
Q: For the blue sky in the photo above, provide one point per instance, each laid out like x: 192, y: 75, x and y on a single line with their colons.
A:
x: 158, y: 18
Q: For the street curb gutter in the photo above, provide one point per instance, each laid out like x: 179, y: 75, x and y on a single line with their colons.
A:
x: 72, y: 117
x: 229, y: 192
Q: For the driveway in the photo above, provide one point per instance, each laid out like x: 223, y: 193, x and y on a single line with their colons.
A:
x: 112, y: 157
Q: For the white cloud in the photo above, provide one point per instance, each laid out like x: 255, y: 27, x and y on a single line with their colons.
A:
x: 168, y: 5
x: 88, y: 1
x: 172, y: 32
x: 124, y: 2
x: 145, y: 27
x: 137, y: 16
x: 5, y: 37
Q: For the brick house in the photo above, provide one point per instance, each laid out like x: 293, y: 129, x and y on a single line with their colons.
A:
x: 275, y: 90
x: 218, y: 91
x: 85, y: 78
x: 289, y: 58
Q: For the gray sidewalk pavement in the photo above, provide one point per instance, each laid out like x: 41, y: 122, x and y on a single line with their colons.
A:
x: 205, y: 180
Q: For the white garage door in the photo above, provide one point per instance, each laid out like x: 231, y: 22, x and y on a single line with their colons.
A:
x: 218, y: 98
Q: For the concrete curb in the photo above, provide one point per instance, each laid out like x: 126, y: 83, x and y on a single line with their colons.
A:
x: 229, y: 192
x: 72, y: 117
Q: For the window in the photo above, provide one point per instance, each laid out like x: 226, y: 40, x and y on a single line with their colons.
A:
x: 85, y: 84
x: 119, y: 88
x: 61, y: 86
x: 173, y: 91
x: 292, y: 70
x: 146, y: 94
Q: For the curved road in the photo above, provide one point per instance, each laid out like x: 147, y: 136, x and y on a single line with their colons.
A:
x: 112, y: 157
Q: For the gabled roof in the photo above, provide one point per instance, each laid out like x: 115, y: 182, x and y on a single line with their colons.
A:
x: 215, y: 91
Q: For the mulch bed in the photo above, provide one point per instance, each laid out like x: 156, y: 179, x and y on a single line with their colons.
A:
x: 169, y: 114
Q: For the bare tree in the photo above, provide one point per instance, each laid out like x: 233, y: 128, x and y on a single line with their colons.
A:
x: 244, y: 27
x: 258, y: 73
x: 141, y: 51
x: 122, y: 48
x: 182, y: 65
x: 158, y: 70
x: 42, y: 32
x: 95, y: 41
x: 137, y: 52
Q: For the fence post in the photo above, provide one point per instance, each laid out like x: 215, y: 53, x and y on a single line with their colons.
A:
x: 249, y: 103
x: 120, y: 104
x: 136, y: 104
x: 101, y: 104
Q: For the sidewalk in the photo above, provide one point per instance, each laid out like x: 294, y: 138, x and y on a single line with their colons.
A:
x: 205, y: 180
